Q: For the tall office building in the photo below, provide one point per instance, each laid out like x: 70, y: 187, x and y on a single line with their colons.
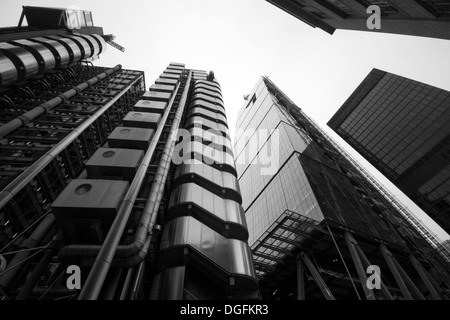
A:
x: 95, y: 177
x: 401, y: 127
x: 424, y: 18
x: 316, y: 219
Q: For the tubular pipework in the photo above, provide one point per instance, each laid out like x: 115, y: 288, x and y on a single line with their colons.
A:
x: 91, y: 251
x: 27, y: 288
x: 97, y: 275
x: 50, y: 104
x: 22, y: 59
x: 34, y: 240
x: 32, y: 171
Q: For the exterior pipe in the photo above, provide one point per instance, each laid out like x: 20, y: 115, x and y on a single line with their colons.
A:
x: 423, y: 275
x: 33, y: 241
x: 32, y: 171
x: 123, y: 262
x: 50, y: 104
x: 97, y: 275
x: 91, y: 251
x: 27, y: 288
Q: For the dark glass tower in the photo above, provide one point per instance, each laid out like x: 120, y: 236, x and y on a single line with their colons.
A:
x: 401, y: 127
x: 424, y: 18
x: 313, y: 213
x: 91, y: 175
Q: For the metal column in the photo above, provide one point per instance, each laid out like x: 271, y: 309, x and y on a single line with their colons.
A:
x: 384, y: 288
x: 317, y: 277
x: 410, y: 282
x: 391, y: 261
x: 352, y: 246
x: 300, y: 278
x: 423, y: 275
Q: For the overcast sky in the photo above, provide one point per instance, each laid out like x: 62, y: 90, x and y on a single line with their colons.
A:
x: 243, y: 39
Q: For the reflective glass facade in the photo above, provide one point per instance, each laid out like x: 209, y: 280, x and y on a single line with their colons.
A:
x: 401, y: 127
x: 310, y: 177
x: 424, y: 18
x: 304, y: 199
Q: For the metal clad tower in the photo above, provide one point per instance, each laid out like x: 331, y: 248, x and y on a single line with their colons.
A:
x: 88, y: 178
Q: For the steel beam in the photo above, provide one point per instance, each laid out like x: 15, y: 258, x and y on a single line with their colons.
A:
x: 390, y: 259
x: 300, y: 278
x: 352, y: 246
x: 384, y: 288
x: 423, y: 275
x: 317, y: 277
x: 410, y: 282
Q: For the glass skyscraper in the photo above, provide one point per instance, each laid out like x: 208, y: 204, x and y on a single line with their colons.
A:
x: 401, y: 127
x: 310, y: 207
x: 424, y: 18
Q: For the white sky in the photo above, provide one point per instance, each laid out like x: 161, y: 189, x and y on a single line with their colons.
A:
x: 243, y: 39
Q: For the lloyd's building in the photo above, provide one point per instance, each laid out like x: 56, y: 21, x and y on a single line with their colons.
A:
x: 89, y: 181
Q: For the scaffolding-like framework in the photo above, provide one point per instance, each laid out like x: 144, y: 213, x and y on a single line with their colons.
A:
x: 38, y: 159
x: 286, y: 234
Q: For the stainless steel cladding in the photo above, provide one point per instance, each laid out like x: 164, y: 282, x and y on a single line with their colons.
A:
x: 214, y: 116
x: 202, y: 96
x: 232, y: 255
x: 25, y: 58
x: 74, y: 50
x: 214, y: 83
x: 24, y: 62
x: 207, y: 125
x: 225, y: 216
x: 8, y: 71
x: 206, y: 222
x: 60, y: 52
x: 208, y: 105
x: 211, y: 136
x: 209, y: 91
x: 99, y: 40
x: 46, y: 60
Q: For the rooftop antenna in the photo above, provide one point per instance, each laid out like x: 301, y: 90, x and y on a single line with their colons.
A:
x: 109, y: 39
